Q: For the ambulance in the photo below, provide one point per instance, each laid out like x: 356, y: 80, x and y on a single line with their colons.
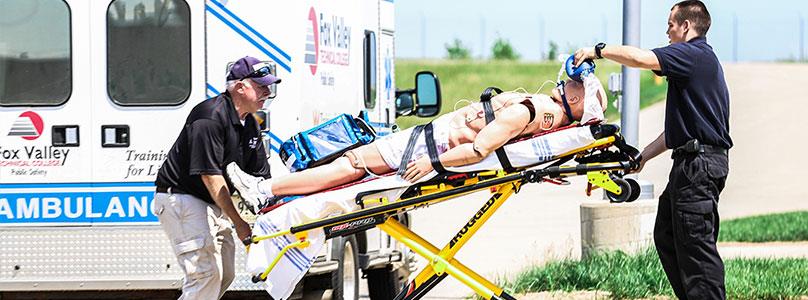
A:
x: 94, y: 93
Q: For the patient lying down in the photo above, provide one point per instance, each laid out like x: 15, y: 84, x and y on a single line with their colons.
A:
x: 461, y: 138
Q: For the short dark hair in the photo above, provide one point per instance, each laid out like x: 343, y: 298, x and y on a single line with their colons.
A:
x: 696, y: 12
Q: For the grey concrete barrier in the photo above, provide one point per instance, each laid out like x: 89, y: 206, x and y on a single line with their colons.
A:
x: 627, y: 227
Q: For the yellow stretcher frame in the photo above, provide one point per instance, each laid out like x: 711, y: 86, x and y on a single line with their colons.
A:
x: 441, y: 261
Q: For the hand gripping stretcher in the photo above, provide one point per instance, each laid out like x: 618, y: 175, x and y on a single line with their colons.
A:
x: 604, y: 158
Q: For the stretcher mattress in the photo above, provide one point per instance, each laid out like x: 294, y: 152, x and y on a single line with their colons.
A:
x: 294, y: 264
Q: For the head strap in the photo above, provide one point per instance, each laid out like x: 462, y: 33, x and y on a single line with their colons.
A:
x: 567, y: 110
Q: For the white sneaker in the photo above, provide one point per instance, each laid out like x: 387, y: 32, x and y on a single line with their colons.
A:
x: 247, y: 186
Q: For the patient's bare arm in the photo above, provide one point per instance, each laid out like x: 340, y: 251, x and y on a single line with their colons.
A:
x: 510, y: 123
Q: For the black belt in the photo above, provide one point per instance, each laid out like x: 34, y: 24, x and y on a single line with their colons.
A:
x: 169, y: 189
x: 485, y: 99
x: 694, y: 146
x: 429, y: 138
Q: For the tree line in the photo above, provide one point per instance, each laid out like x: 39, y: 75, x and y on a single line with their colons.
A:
x: 500, y: 50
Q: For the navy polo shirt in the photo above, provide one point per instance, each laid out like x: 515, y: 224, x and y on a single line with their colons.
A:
x: 698, y: 99
x: 213, y: 136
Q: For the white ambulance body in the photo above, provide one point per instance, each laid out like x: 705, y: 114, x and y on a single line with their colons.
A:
x: 94, y: 93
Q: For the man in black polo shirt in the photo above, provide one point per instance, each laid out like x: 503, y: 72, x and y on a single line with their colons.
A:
x: 193, y: 200
x: 697, y: 129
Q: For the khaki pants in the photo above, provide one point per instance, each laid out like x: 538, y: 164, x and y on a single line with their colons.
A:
x: 202, y: 239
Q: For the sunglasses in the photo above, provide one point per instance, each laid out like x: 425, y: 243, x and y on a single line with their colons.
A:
x: 263, y: 71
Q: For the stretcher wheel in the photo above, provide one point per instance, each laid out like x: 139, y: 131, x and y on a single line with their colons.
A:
x: 625, y: 194
x: 345, y: 280
x: 635, y: 189
x: 256, y: 279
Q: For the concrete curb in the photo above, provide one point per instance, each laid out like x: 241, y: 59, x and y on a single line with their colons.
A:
x: 763, y: 250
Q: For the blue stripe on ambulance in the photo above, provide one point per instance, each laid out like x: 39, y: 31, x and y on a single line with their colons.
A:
x: 75, y: 185
x: 235, y: 17
x: 219, y: 6
x: 210, y: 89
x: 271, y: 145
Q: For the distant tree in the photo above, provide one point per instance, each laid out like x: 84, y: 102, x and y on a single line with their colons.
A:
x: 456, y: 50
x: 551, y: 55
x: 503, y: 50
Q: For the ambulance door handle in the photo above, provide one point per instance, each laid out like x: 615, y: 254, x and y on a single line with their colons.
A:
x: 65, y: 135
x: 114, y: 136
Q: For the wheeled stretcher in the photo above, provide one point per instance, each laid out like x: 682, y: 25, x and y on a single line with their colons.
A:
x: 288, y: 237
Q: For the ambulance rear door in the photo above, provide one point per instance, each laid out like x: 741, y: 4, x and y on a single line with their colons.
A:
x: 152, y: 77
x: 45, y: 120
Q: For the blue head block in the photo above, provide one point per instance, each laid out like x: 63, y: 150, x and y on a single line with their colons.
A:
x: 588, y: 66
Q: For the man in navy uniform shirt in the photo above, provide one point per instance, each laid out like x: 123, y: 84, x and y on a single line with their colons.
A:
x: 697, y: 129
x: 192, y: 200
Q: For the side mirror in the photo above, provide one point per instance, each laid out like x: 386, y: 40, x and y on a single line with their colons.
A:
x: 404, y: 103
x: 423, y: 100
x: 427, y: 94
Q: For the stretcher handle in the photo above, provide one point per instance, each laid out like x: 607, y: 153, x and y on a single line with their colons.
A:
x: 633, y: 154
x: 581, y: 169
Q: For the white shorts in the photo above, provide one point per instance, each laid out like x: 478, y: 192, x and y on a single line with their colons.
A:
x: 392, y: 146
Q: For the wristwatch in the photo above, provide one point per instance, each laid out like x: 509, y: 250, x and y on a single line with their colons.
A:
x: 598, y: 48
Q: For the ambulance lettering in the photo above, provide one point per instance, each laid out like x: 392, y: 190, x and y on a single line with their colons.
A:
x: 328, y: 43
x: 33, y: 156
x: 77, y: 207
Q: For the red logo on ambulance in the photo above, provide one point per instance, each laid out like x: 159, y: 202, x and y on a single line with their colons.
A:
x: 28, y: 126
x: 312, y: 42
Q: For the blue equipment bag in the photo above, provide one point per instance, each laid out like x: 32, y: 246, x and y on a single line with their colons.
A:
x: 325, y: 142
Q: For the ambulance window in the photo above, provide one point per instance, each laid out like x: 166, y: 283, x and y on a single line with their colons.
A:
x: 148, y: 52
x: 370, y: 69
x: 34, y: 53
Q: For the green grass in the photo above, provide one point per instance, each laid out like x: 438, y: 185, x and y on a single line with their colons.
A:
x: 791, y: 226
x: 467, y: 79
x: 641, y: 276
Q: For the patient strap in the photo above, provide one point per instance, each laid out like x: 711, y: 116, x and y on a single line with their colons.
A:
x: 567, y: 109
x: 530, y: 108
x: 405, y: 158
x: 430, y: 147
x: 485, y: 98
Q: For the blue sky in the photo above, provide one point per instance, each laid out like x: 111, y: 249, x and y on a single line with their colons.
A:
x: 767, y: 30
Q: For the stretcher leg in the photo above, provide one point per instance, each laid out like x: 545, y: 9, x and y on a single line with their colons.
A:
x: 428, y: 251
x: 442, y: 261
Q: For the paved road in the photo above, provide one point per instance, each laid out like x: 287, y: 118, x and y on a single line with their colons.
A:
x: 768, y: 126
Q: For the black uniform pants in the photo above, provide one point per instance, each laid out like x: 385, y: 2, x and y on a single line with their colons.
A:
x: 686, y: 226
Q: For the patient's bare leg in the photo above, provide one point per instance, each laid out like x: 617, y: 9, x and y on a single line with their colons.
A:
x: 343, y: 170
